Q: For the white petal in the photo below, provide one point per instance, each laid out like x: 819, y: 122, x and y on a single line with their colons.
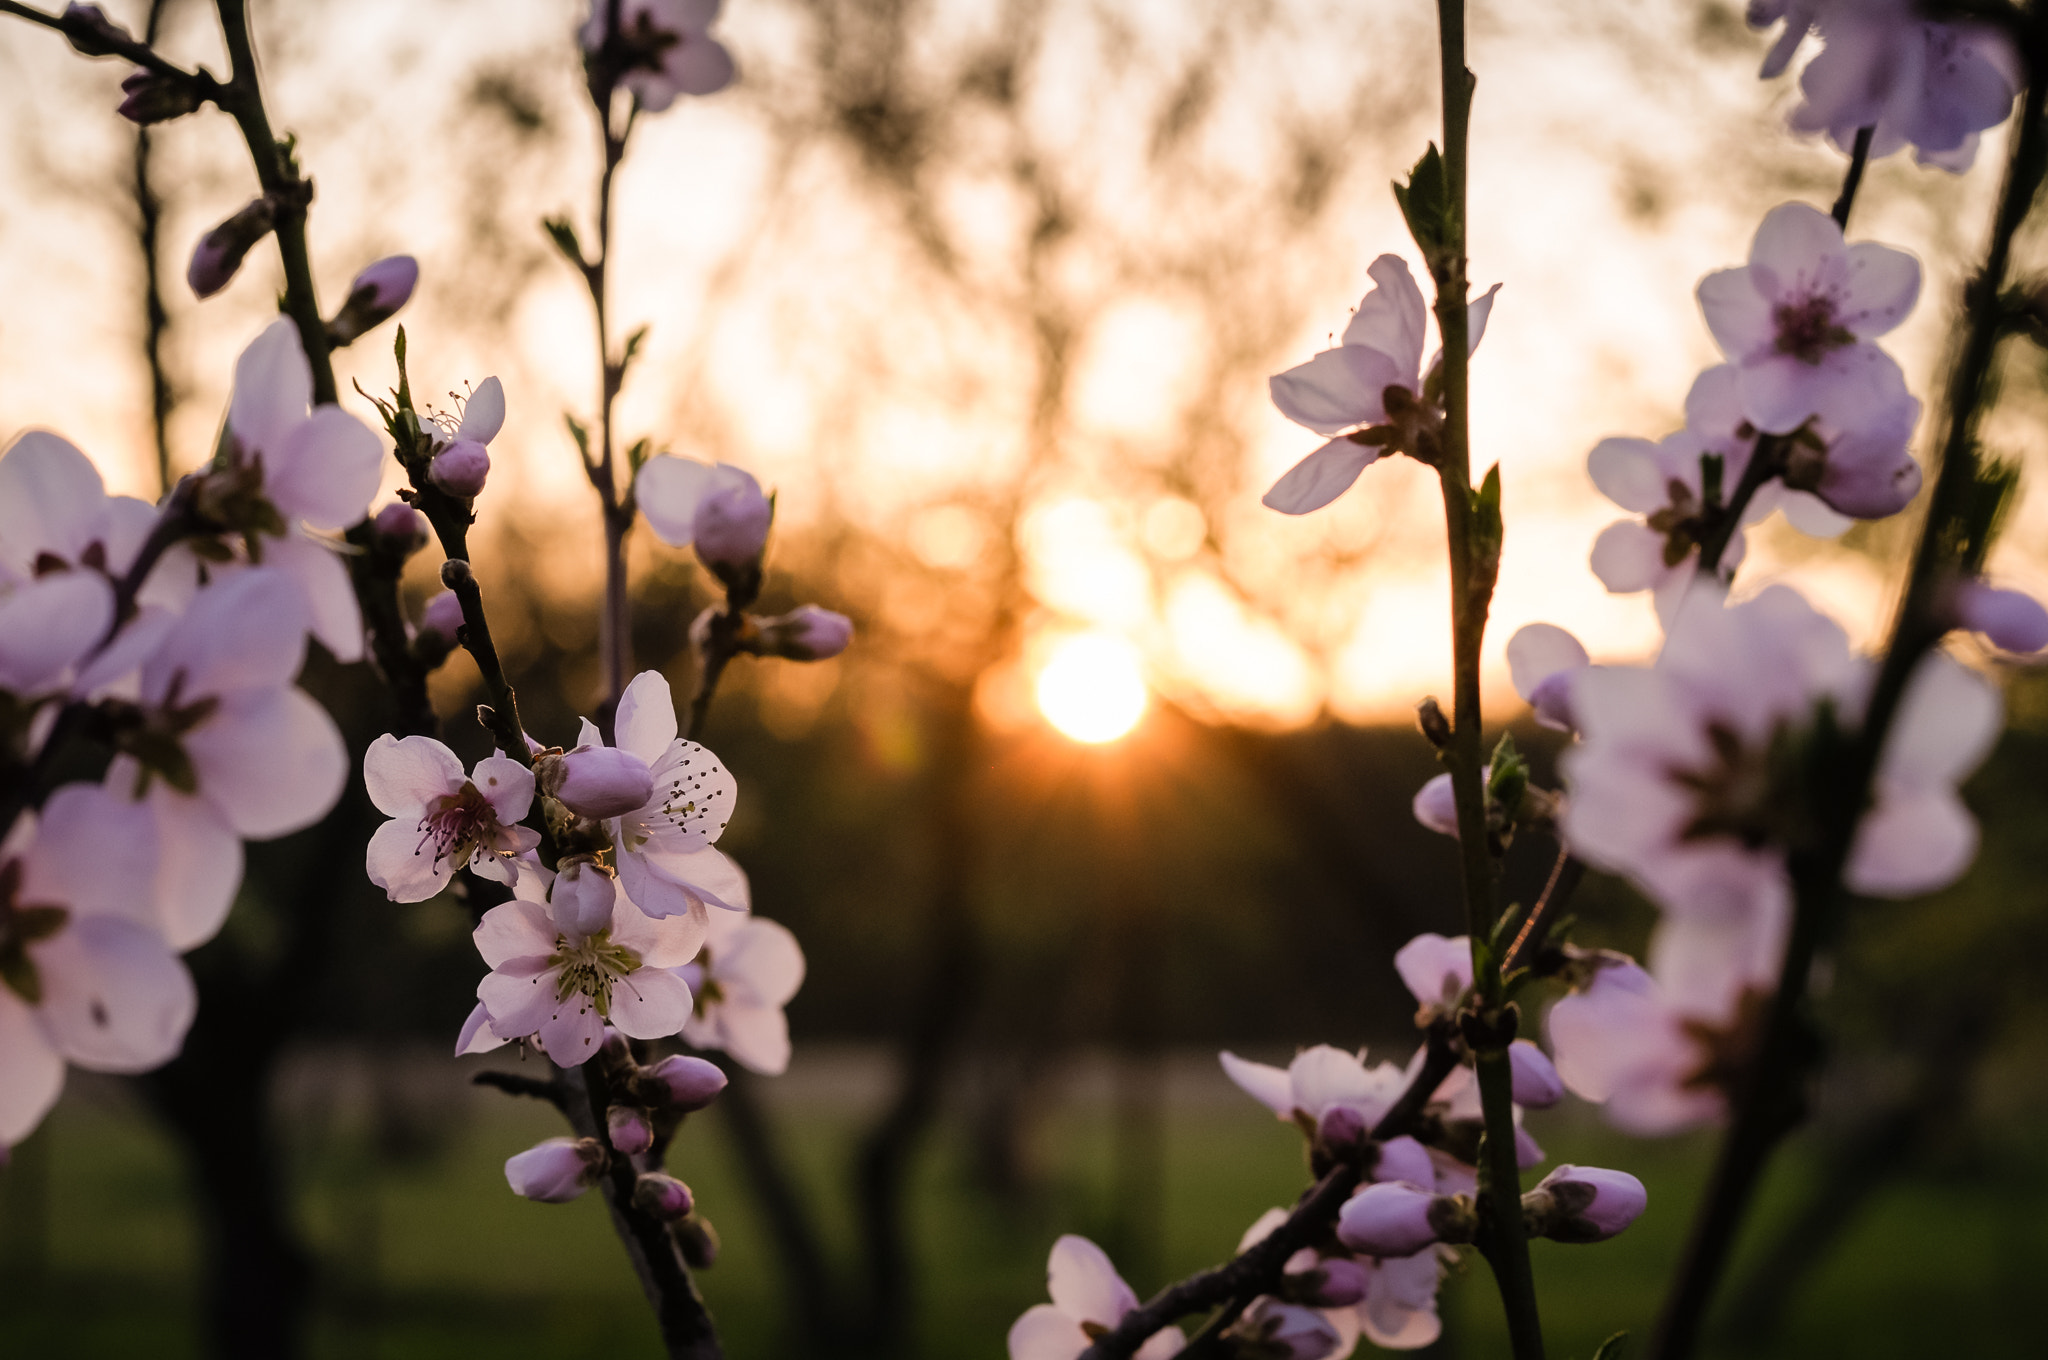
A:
x: 1736, y: 313
x: 199, y: 866
x: 1084, y: 1285
x: 1538, y: 651
x: 47, y: 626
x: 520, y: 994
x: 1810, y: 515
x: 646, y: 720
x: 273, y: 388
x: 114, y: 673
x: 1914, y: 841
x: 709, y: 873
x: 326, y: 470
x: 657, y: 895
x: 514, y: 930
x: 51, y: 500
x: 1391, y: 317
x: 1628, y: 473
x: 115, y: 998
x: 400, y: 860
x: 573, y: 1031
x: 1948, y: 720
x: 1796, y: 248
x: 699, y: 65
x: 757, y: 1037
x: 404, y: 774
x: 1321, y: 477
x: 332, y: 614
x: 668, y: 489
x: 507, y: 786
x: 1883, y: 286
x: 477, y: 1036
x: 271, y: 760
x: 1476, y: 313
x: 661, y: 942
x: 1045, y: 1333
x: 483, y: 415
x: 94, y: 852
x: 1323, y: 1076
x: 31, y: 1072
x: 1338, y: 389
x: 1629, y: 556
x: 761, y: 959
x: 1267, y: 1085
x: 650, y: 1003
x: 245, y: 631
x: 1435, y: 969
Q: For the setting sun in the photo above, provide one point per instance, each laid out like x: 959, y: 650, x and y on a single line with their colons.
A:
x: 1092, y: 688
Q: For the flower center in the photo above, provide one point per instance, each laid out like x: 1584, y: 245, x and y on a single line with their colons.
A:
x: 592, y: 967
x: 1807, y: 329
x: 458, y: 824
x: 1750, y: 793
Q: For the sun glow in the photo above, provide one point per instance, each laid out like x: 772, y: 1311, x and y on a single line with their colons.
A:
x: 1092, y: 688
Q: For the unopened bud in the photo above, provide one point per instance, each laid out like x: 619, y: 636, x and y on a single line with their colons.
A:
x: 1336, y: 1282
x: 2010, y: 620
x: 1429, y: 715
x: 663, y: 1197
x: 153, y: 97
x: 616, y: 1047
x: 698, y: 1241
x: 460, y: 468
x: 596, y: 781
x: 374, y: 297
x: 1535, y: 1080
x: 220, y: 252
x: 443, y: 616
x: 806, y: 633
x: 1404, y: 1159
x: 92, y: 33
x: 1341, y: 1129
x: 1398, y: 1218
x: 1583, y: 1204
x: 731, y: 524
x: 684, y: 1082
x: 402, y: 528
x: 582, y: 898
x: 556, y: 1171
x: 628, y: 1129
x: 1272, y: 1330
x: 1436, y: 806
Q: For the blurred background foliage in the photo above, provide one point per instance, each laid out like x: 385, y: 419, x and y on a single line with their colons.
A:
x: 921, y: 269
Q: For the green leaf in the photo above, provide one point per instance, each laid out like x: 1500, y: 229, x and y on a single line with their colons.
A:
x: 1426, y: 205
x: 1510, y: 777
x: 1610, y: 1349
x: 1988, y: 505
x: 564, y: 236
x: 1486, y: 527
x: 579, y: 434
x: 632, y: 348
x: 638, y: 454
x: 404, y: 383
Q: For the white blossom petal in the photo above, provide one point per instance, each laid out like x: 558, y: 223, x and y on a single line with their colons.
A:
x: 1084, y: 1285
x: 646, y: 720
x: 271, y: 760
x: 326, y: 470
x: 1321, y: 477
x: 405, y: 774
x: 115, y: 998
x: 273, y: 389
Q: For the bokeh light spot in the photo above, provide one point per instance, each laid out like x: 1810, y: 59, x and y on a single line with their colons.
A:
x: 1092, y: 688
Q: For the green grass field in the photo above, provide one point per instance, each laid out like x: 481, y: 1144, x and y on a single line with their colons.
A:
x: 433, y: 1257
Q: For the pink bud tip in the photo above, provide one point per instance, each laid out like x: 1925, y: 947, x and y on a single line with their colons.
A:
x: 1389, y: 1218
x: 2010, y: 620
x: 443, y: 615
x: 402, y: 527
x: 460, y: 468
x: 691, y: 1083
x: 731, y: 525
x: 1404, y: 1159
x: 1341, y: 1282
x: 628, y: 1129
x: 664, y: 1197
x: 597, y: 781
x: 556, y: 1171
x: 1593, y: 1204
x: 1342, y: 1128
x: 1536, y: 1083
x: 581, y: 900
x: 389, y: 282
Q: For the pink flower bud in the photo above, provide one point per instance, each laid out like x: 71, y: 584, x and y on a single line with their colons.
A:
x: 596, y: 781
x: 1338, y: 1282
x: 1342, y: 1128
x: 443, y: 615
x: 807, y: 633
x: 1552, y: 701
x: 1869, y: 488
x: 460, y: 468
x: 731, y: 525
x: 628, y: 1129
x: 374, y: 297
x: 556, y: 1171
x: 1273, y: 1330
x: 1586, y: 1203
x: 689, y: 1083
x: 2009, y: 619
x: 1388, y: 1218
x: 153, y: 97
x: 1536, y: 1083
x: 1404, y: 1159
x: 662, y: 1197
x: 582, y: 898
x: 1436, y: 806
x: 402, y: 528
x: 220, y: 252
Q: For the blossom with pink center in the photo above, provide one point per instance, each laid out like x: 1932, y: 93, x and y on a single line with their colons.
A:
x: 1681, y: 782
x: 1319, y: 1080
x: 83, y: 977
x: 1345, y: 389
x: 294, y: 468
x: 560, y: 983
x: 1088, y: 1298
x: 665, y: 857
x: 1885, y: 65
x: 442, y: 819
x: 749, y: 970
x: 1799, y: 321
x: 667, y: 47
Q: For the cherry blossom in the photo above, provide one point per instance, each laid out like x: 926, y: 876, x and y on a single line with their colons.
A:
x: 292, y: 468
x: 441, y: 819
x: 1934, y: 86
x: 1087, y: 1294
x: 749, y: 970
x: 1274, y: 1330
x: 461, y: 458
x: 1391, y: 1301
x: 562, y: 985
x: 1319, y: 1080
x: 665, y: 857
x: 1798, y: 321
x: 81, y: 980
x: 1686, y: 778
x: 668, y: 47
x: 717, y: 507
x: 1373, y: 379
x: 1622, y: 1043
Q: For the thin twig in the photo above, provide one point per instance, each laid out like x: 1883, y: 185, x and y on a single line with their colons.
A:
x: 514, y: 1084
x: 141, y: 53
